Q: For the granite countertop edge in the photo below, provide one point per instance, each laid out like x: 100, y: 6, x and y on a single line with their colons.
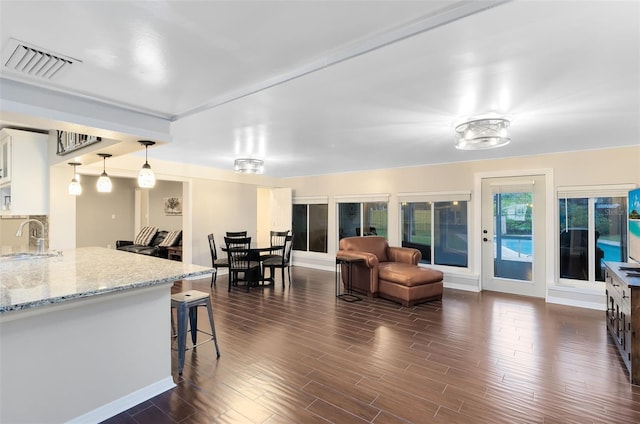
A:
x: 86, y: 294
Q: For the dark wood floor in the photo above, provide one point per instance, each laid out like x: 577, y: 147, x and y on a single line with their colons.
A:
x: 298, y: 355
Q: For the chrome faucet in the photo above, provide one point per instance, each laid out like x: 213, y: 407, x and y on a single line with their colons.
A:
x: 40, y: 240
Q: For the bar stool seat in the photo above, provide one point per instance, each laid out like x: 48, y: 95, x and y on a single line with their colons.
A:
x: 186, y: 304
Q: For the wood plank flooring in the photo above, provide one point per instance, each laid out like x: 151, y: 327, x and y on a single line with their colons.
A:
x: 299, y: 355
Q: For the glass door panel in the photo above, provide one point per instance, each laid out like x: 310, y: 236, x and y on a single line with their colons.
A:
x: 513, y: 235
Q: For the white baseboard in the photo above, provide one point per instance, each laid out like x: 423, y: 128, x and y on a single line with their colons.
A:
x: 598, y: 306
x: 461, y: 282
x: 464, y: 287
x: 119, y: 405
x: 579, y: 297
x: 323, y: 264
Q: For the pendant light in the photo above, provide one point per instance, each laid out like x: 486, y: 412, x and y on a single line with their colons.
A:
x: 104, y: 182
x: 146, y: 178
x: 75, y: 189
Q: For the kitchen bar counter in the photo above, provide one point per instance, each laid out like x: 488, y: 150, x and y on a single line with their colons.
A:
x: 85, y: 335
x: 82, y: 272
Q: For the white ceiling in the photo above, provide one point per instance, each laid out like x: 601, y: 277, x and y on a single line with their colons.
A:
x: 317, y: 87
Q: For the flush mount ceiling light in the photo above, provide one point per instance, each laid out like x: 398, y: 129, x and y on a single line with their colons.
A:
x: 75, y: 189
x: 482, y: 133
x: 249, y: 166
x: 146, y: 178
x: 104, y: 182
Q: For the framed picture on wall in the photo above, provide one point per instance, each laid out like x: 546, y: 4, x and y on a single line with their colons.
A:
x: 172, y: 206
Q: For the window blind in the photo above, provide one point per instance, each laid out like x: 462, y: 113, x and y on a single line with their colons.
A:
x: 610, y: 190
x: 311, y: 200
x: 444, y: 196
x: 361, y: 198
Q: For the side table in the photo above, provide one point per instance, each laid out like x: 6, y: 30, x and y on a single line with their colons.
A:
x: 348, y: 296
x: 174, y: 253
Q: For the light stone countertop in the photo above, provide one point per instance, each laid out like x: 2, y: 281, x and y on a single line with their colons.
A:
x: 83, y: 272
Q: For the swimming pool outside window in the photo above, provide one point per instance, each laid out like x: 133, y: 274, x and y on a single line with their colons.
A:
x: 592, y: 230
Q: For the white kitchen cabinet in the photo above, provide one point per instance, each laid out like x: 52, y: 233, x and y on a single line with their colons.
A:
x: 24, y: 179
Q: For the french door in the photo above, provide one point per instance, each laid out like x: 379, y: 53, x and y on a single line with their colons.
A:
x: 513, y: 234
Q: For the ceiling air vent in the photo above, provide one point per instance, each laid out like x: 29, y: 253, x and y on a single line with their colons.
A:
x: 34, y: 61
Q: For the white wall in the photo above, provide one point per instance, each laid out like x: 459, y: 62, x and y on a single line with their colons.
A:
x: 103, y: 218
x: 157, y: 195
x: 612, y: 166
x: 598, y: 167
x: 62, y: 209
x: 217, y: 207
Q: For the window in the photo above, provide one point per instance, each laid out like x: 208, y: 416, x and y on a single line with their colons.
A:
x: 362, y: 219
x: 592, y: 230
x: 436, y: 224
x: 450, y: 233
x: 438, y: 230
x: 416, y: 228
x: 310, y: 227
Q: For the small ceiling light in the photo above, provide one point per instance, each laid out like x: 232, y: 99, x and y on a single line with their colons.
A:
x: 249, y: 166
x: 146, y: 178
x: 75, y: 189
x: 104, y: 182
x: 483, y: 133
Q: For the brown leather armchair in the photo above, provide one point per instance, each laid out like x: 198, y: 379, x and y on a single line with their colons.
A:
x: 389, y: 272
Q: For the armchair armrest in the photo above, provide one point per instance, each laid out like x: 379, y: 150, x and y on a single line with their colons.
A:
x: 120, y: 243
x: 370, y: 260
x: 365, y: 275
x: 405, y: 255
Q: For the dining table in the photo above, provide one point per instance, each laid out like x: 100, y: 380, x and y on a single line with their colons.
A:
x: 255, y: 254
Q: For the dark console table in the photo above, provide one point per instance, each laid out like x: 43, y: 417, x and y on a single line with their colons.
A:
x: 623, y: 313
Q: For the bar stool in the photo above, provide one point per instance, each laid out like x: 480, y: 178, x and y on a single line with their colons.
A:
x: 187, y: 303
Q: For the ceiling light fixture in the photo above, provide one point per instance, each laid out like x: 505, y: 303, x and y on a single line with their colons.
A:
x: 249, y: 166
x: 482, y: 133
x: 104, y: 182
x: 75, y: 189
x: 146, y: 178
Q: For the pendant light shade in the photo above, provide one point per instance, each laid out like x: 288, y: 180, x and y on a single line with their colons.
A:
x: 75, y: 189
x: 146, y: 178
x: 104, y: 182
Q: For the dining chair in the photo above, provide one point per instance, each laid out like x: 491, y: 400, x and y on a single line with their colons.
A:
x: 276, y: 241
x: 236, y: 234
x: 281, y: 261
x: 215, y: 261
x: 240, y: 261
x: 232, y: 242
